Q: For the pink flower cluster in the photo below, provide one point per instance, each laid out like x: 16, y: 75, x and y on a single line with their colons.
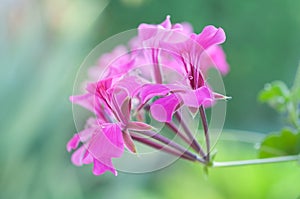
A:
x: 164, y: 69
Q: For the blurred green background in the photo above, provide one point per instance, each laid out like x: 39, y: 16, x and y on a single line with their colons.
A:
x: 43, y: 43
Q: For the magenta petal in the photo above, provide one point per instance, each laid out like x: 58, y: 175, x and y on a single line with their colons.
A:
x: 152, y: 90
x: 204, y: 95
x: 86, y: 134
x: 106, y: 59
x: 189, y: 99
x: 163, y: 108
x: 107, y: 142
x: 100, y: 88
x: 114, y: 134
x: 187, y: 27
x: 91, y: 103
x: 198, y: 97
x: 103, y: 166
x: 167, y: 23
x: 146, y: 31
x: 87, y: 158
x: 218, y: 58
x: 73, y: 142
x: 86, y: 101
x: 209, y: 36
x: 77, y: 156
x: 130, y: 84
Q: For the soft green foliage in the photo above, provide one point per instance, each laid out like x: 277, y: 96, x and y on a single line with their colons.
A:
x: 287, y: 101
x: 276, y: 95
x: 285, y: 143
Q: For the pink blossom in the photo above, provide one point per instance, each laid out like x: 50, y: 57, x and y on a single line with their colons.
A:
x: 117, y: 62
x: 209, y: 36
x: 100, y: 145
x: 164, y: 70
x: 214, y: 57
x: 151, y: 34
x: 172, y: 97
x: 105, y: 138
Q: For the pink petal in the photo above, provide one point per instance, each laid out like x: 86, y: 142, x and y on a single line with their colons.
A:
x: 166, y: 23
x: 114, y: 134
x: 146, y: 31
x: 106, y: 142
x: 209, y: 36
x: 162, y: 109
x: 130, y: 84
x: 152, y: 90
x: 100, y: 88
x: 218, y: 59
x: 90, y: 102
x: 85, y: 100
x: 196, y: 98
x: 73, y: 142
x: 86, y: 134
x: 187, y: 27
x: 103, y: 166
x: 112, y: 63
x: 151, y: 35
x: 87, y: 158
x: 78, y: 155
x: 106, y: 59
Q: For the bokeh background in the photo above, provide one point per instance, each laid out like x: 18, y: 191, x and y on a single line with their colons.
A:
x: 43, y: 43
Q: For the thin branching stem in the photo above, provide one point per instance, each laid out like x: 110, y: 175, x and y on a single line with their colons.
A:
x: 175, y: 130
x: 167, y: 141
x: 162, y: 147
x: 190, y: 135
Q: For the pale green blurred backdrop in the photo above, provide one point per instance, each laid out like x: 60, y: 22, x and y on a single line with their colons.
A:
x: 43, y: 43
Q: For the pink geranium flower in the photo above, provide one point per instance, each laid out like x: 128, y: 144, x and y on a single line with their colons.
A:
x: 164, y: 70
x: 101, y: 143
x: 104, y: 138
x: 190, y: 54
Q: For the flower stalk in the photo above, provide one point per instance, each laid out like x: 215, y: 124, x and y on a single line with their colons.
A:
x: 190, y: 135
x: 163, y: 147
x: 174, y: 129
x: 206, y: 134
x: 290, y: 158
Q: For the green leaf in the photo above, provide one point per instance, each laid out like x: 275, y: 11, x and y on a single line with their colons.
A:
x: 276, y: 94
x: 285, y: 143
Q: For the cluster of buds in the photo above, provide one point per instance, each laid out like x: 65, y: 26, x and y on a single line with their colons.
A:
x: 162, y: 70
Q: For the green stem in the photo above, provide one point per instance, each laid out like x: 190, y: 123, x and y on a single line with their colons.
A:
x: 257, y: 161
